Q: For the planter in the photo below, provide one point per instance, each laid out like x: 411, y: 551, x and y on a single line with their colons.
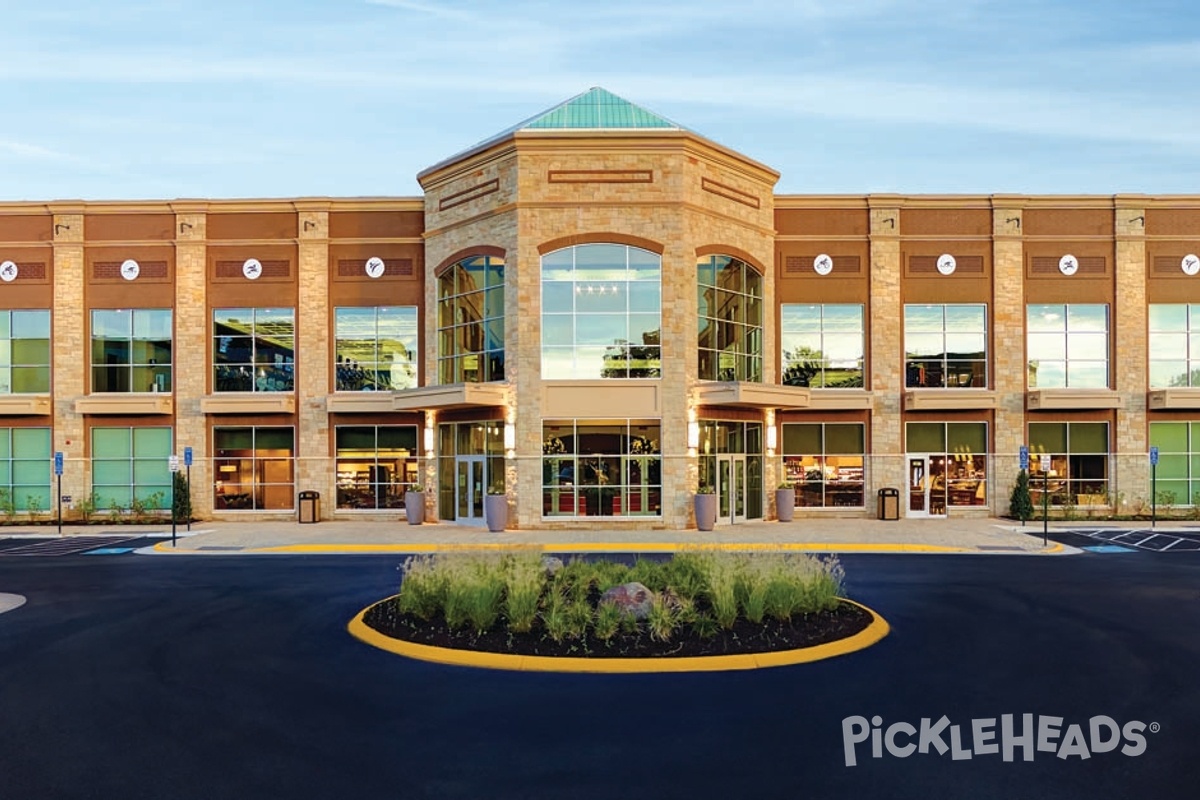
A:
x: 495, y: 511
x: 414, y: 507
x: 706, y: 511
x: 785, y: 504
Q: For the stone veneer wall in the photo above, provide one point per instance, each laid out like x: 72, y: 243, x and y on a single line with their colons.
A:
x: 1130, y: 316
x: 68, y: 379
x: 886, y: 459
x: 314, y: 467
x: 1008, y: 351
x: 192, y: 344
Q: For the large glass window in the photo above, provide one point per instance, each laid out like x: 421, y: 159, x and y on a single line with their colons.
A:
x: 1067, y: 346
x: 730, y: 320
x: 375, y: 465
x: 724, y: 445
x: 25, y: 469
x: 376, y: 348
x: 824, y: 463
x: 822, y: 345
x: 601, y: 312
x: 945, y: 346
x: 471, y: 321
x: 254, y: 468
x: 470, y: 458
x: 958, y: 460
x: 1177, y: 476
x: 1174, y: 345
x: 1078, y: 473
x: 601, y: 468
x: 131, y: 350
x: 24, y: 352
x: 254, y: 349
x: 131, y: 464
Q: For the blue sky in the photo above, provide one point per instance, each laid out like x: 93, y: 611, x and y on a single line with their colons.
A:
x: 238, y: 98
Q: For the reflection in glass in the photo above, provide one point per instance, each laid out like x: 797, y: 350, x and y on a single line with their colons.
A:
x: 1067, y: 346
x: 471, y: 321
x: 945, y: 346
x: 131, y: 350
x: 822, y: 345
x: 254, y: 350
x: 730, y: 323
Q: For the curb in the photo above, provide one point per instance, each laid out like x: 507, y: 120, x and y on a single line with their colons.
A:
x: 870, y: 635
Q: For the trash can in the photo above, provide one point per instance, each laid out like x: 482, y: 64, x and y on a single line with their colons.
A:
x: 889, y: 503
x: 310, y: 506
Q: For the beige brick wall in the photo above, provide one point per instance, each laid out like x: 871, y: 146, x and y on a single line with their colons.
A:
x: 314, y: 467
x: 1130, y: 314
x: 191, y: 344
x: 1008, y: 349
x: 69, y: 376
x: 886, y: 462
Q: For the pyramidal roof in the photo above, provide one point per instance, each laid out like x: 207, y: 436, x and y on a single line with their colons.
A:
x: 596, y: 109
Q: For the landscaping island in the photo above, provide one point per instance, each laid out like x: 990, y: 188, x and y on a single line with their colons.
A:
x: 700, y: 610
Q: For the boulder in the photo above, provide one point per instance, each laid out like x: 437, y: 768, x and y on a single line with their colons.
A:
x: 632, y: 598
x: 551, y: 565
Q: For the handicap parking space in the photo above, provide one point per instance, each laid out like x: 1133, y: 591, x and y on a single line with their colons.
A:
x: 73, y: 545
x: 1129, y: 540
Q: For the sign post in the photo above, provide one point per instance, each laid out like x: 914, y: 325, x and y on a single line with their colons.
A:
x: 1045, y: 465
x: 173, y: 465
x: 1024, y: 468
x: 1153, y: 485
x: 187, y: 462
x: 58, y: 470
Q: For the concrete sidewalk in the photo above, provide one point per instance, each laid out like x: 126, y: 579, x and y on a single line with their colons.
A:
x: 995, y: 536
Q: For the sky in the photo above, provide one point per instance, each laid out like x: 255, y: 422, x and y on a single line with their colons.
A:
x: 162, y: 99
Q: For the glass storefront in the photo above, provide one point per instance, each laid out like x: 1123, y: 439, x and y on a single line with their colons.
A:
x: 470, y: 466
x: 375, y: 465
x: 254, y: 469
x: 823, y: 461
x: 731, y: 463
x: 947, y: 466
x: 131, y: 464
x: 25, y: 472
x: 601, y: 468
x: 1078, y: 473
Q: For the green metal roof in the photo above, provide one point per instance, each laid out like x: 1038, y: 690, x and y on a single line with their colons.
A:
x: 596, y: 109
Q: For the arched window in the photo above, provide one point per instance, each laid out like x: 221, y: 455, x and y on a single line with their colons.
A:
x: 730, y: 320
x: 601, y: 312
x: 471, y: 321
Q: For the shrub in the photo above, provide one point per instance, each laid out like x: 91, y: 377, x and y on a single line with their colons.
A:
x: 474, y: 586
x: 750, y: 587
x: 722, y: 580
x: 648, y: 573
x: 554, y: 617
x: 115, y: 510
x: 87, y: 507
x: 137, y: 506
x: 686, y: 575
x: 33, y: 506
x: 1020, y: 503
x: 608, y: 621
x: 523, y: 579
x: 7, y: 506
x: 660, y: 620
x: 181, y: 498
x: 704, y: 626
x: 422, y: 587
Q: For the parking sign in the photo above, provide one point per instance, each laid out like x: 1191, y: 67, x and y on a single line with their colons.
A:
x: 173, y: 463
x: 187, y: 456
x: 1024, y: 457
x: 1153, y: 456
x: 58, y: 462
x: 1045, y: 462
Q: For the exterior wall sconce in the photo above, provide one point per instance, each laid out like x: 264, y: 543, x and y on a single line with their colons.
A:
x: 510, y: 438
x: 693, y: 435
x: 772, y: 438
x: 429, y: 442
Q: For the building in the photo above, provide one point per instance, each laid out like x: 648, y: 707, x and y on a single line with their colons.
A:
x: 596, y: 312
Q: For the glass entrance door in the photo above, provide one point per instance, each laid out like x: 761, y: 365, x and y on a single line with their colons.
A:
x: 468, y: 489
x: 731, y: 488
x: 926, y: 486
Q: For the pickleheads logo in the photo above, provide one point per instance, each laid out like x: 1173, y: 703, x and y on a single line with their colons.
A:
x: 981, y: 737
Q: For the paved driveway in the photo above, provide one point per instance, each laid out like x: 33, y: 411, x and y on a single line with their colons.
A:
x: 137, y: 677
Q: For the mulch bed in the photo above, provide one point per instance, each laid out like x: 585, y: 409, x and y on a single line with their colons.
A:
x: 745, y: 637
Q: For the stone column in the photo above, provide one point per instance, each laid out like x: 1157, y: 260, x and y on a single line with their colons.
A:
x: 885, y: 317
x: 191, y: 346
x: 68, y: 358
x: 314, y: 468
x: 1007, y: 348
x: 1129, y: 318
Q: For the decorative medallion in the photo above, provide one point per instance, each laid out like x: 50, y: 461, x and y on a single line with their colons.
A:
x: 374, y: 267
x: 946, y: 264
x: 1068, y: 264
x: 8, y: 271
x: 252, y: 269
x: 823, y: 264
x: 1190, y: 264
x: 130, y: 269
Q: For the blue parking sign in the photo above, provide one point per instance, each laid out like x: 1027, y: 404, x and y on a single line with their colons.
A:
x: 1153, y: 456
x: 58, y: 462
x: 187, y: 456
x: 1024, y: 457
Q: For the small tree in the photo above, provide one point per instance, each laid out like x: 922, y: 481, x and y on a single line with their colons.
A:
x: 181, y: 502
x: 1020, y: 504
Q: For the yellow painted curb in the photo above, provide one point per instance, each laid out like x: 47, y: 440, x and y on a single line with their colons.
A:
x: 612, y: 547
x: 471, y: 658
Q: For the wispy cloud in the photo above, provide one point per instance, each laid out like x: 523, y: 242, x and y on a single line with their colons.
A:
x: 432, y: 9
x: 32, y: 151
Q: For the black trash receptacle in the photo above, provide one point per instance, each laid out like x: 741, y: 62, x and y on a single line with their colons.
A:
x: 889, y: 503
x: 310, y: 506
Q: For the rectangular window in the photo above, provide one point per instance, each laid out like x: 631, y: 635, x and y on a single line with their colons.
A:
x: 1067, y: 346
x: 822, y: 345
x: 25, y: 352
x: 1078, y: 473
x: 130, y: 467
x: 375, y: 465
x: 601, y: 468
x: 471, y: 321
x: 945, y: 346
x: 824, y: 463
x: 1174, y: 345
x: 376, y: 348
x: 131, y: 350
x: 1177, y: 476
x: 254, y: 468
x: 254, y: 349
x: 25, y: 470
